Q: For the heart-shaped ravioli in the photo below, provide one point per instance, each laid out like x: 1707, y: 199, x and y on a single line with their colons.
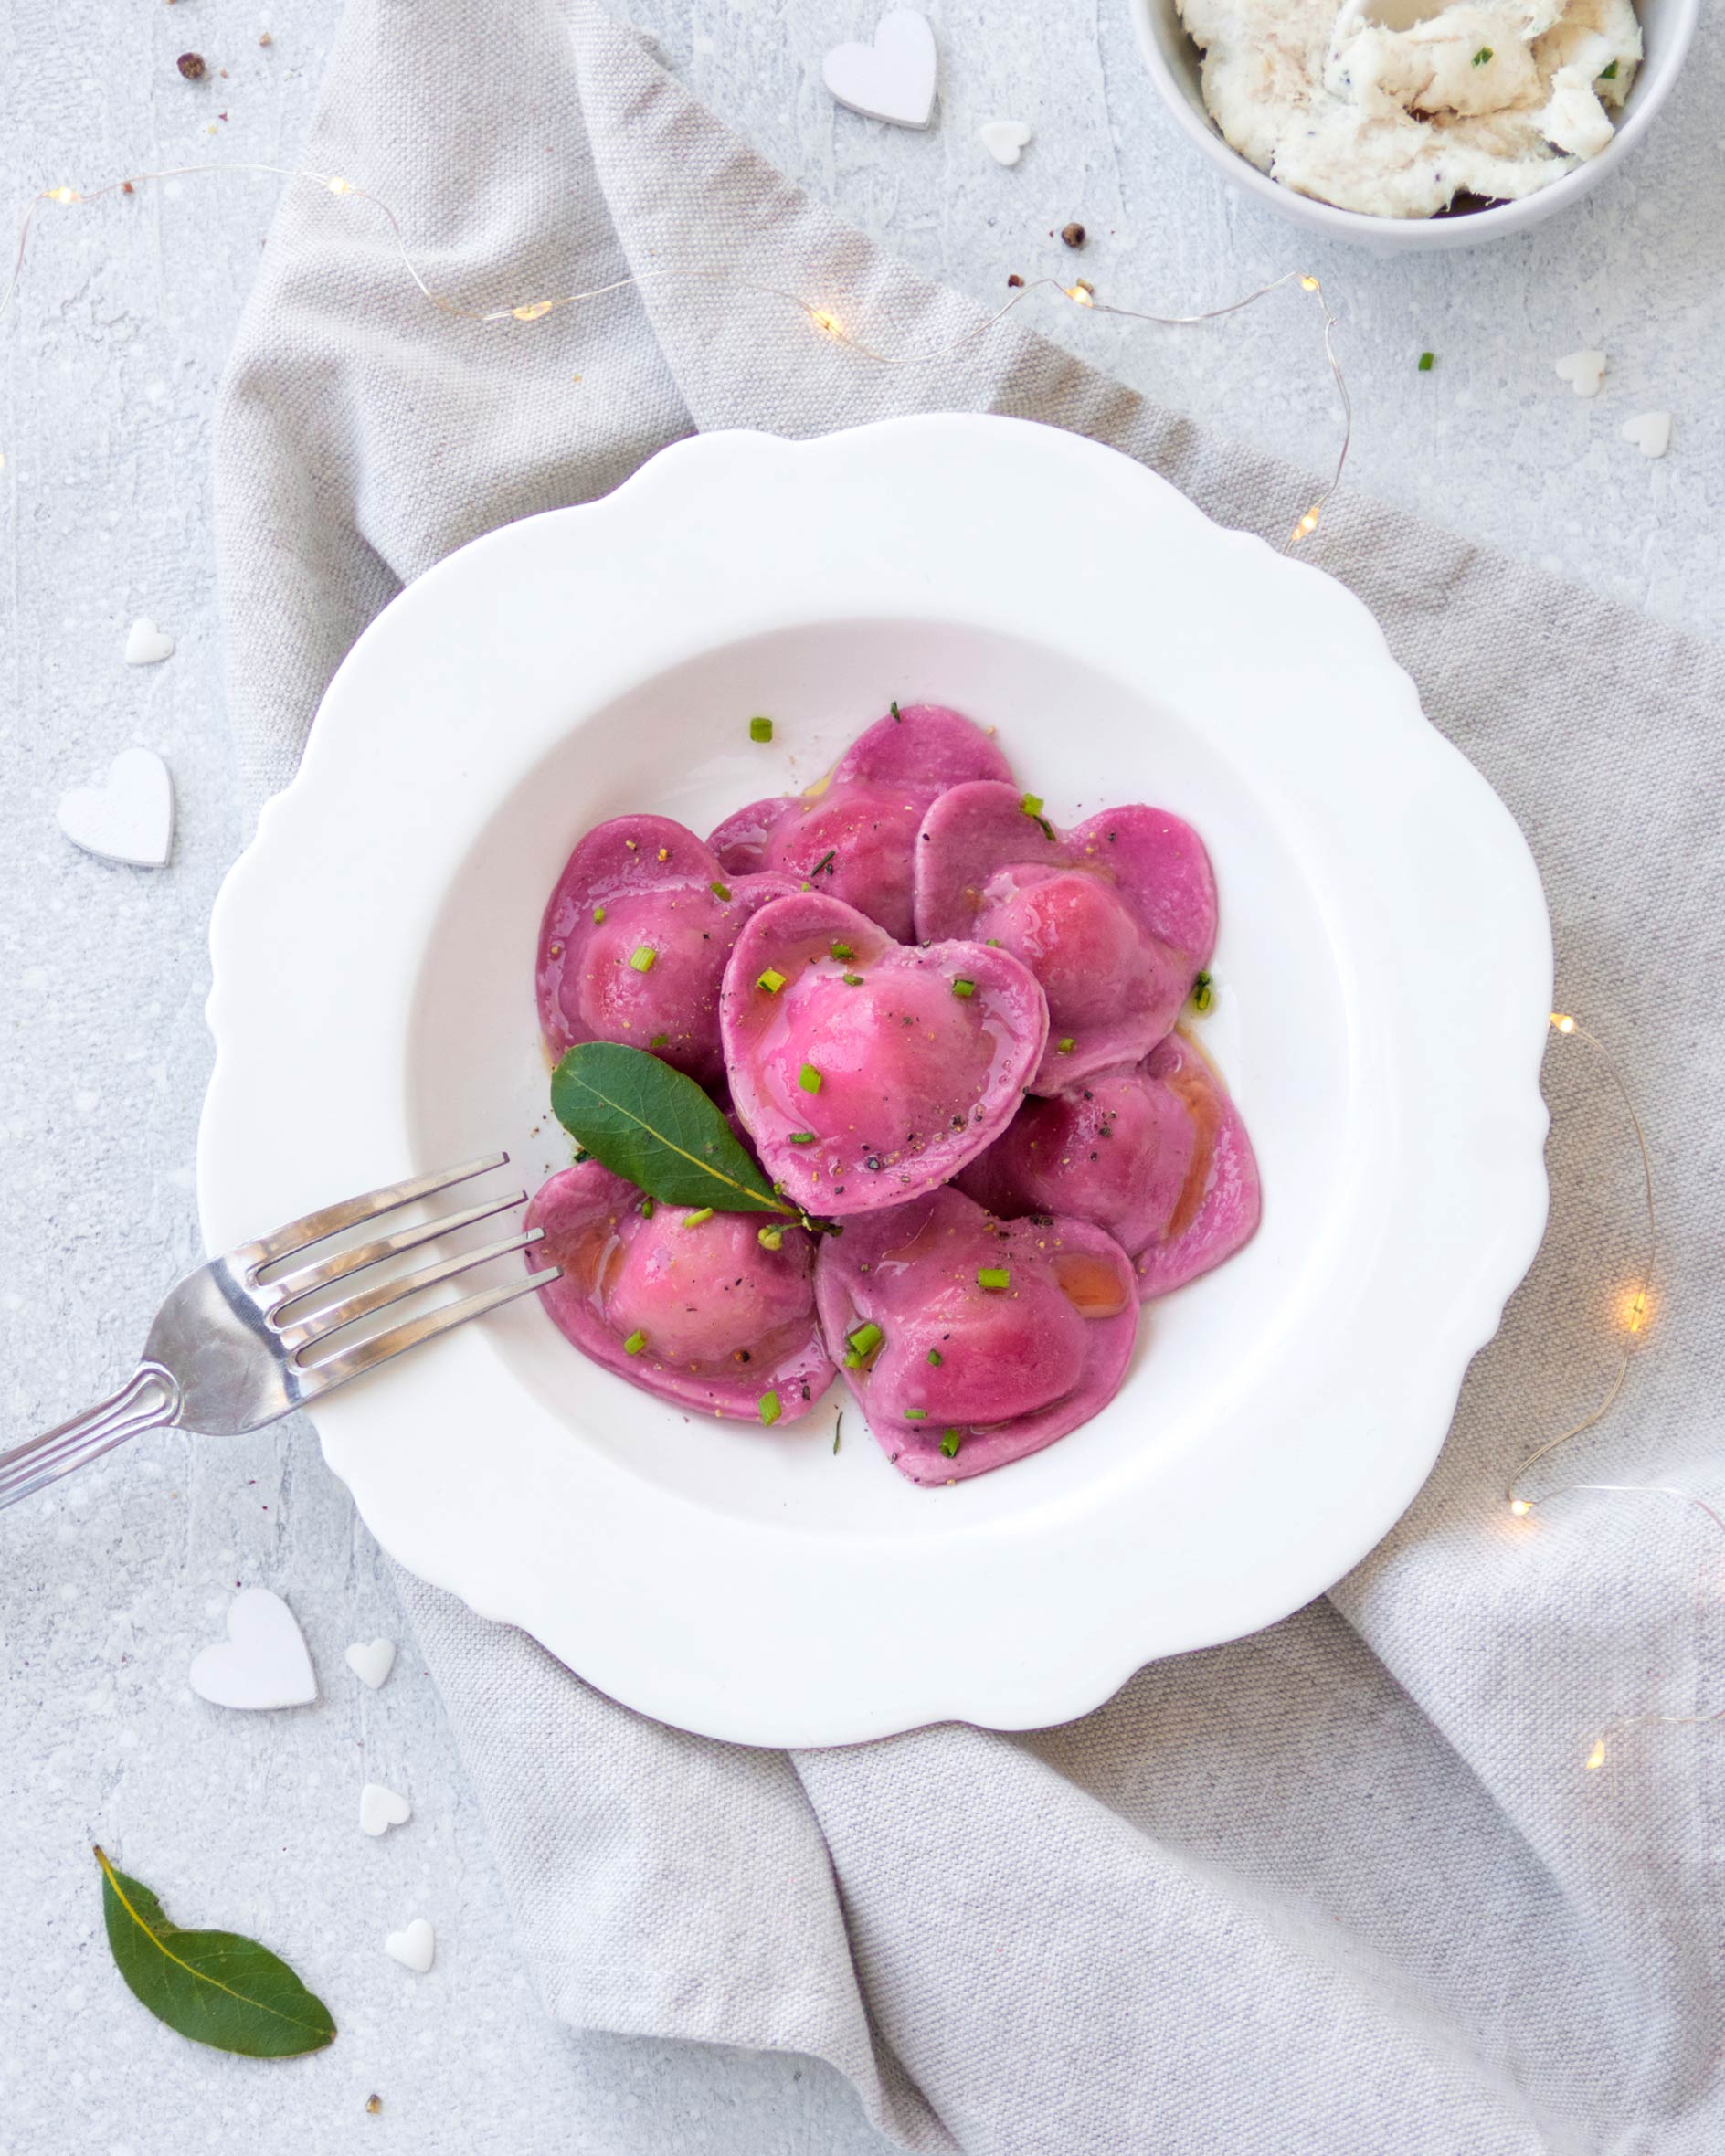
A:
x: 634, y: 944
x: 864, y: 1069
x: 1115, y: 917
x: 692, y: 1305
x: 1157, y: 1155
x: 971, y: 1341
x: 855, y: 838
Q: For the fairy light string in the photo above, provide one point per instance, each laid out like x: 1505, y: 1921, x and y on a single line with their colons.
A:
x: 1081, y: 293
x: 1633, y: 1309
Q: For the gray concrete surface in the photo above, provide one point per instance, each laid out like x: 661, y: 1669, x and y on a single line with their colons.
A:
x: 107, y: 365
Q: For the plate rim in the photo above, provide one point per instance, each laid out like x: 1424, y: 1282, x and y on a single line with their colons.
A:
x: 920, y: 441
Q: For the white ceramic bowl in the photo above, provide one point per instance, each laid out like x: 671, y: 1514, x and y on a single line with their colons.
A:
x: 1667, y: 27
x: 1385, y: 971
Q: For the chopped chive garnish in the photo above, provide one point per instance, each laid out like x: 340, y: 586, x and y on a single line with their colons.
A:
x: 696, y: 1220
x: 915, y: 1414
x: 1066, y: 1044
x: 950, y: 1443
x: 852, y: 980
x: 964, y: 990
x: 993, y: 943
x: 865, y: 1339
x: 1609, y: 74
x: 642, y: 958
x: 634, y: 1344
x: 826, y: 861
x: 842, y: 951
x: 809, y: 1078
x: 838, y: 1430
x: 1426, y: 359
x: 894, y: 710
x: 647, y: 1208
x: 598, y: 914
x: 772, y: 981
x: 720, y: 890
x: 802, y: 1137
x: 934, y: 1357
x: 771, y: 1238
x: 1031, y: 804
x: 760, y: 730
x: 769, y: 1408
x: 995, y: 1278
x: 1203, y: 992
x: 660, y: 1040
x: 1482, y: 56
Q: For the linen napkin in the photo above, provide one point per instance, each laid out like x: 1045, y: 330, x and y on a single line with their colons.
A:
x: 1341, y: 1888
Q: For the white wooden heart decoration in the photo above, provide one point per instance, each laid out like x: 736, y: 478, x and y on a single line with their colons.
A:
x: 1583, y: 371
x: 1004, y: 139
x: 146, y: 645
x: 381, y: 1808
x: 1650, y: 432
x: 129, y: 817
x: 261, y: 1663
x: 413, y: 1947
x: 372, y: 1661
x: 892, y: 79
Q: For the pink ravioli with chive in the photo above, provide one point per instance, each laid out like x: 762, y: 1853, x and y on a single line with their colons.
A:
x: 864, y: 1069
x: 694, y: 1308
x: 971, y: 1341
x: 1157, y: 1155
x: 856, y: 840
x: 1116, y: 917
x: 633, y: 943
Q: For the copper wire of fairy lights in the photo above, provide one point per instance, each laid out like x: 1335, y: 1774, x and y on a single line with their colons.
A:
x: 1081, y: 292
x: 1633, y: 1308
x: 1633, y: 1312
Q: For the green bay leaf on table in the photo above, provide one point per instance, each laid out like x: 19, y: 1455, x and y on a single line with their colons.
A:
x: 655, y: 1128
x: 213, y: 1986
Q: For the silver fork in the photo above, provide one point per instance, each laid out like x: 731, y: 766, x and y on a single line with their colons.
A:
x: 225, y: 1355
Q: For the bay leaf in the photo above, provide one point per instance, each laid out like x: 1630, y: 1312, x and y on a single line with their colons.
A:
x: 213, y: 1986
x: 655, y: 1128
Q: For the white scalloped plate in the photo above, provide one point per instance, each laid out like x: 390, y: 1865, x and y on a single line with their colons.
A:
x: 1385, y: 974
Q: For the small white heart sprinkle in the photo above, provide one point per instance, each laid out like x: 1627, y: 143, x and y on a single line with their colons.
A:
x: 413, y: 1947
x: 1583, y: 371
x: 371, y: 1662
x: 262, y: 1662
x: 146, y: 645
x: 892, y: 79
x: 129, y: 817
x: 381, y: 1808
x: 1650, y: 432
x: 1004, y: 139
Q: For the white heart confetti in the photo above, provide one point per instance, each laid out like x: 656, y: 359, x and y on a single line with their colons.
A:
x: 381, y: 1808
x: 1650, y: 432
x: 372, y: 1663
x: 129, y: 817
x: 146, y: 645
x: 892, y: 79
x: 1583, y: 371
x: 1004, y: 139
x: 413, y: 1947
x: 261, y: 1663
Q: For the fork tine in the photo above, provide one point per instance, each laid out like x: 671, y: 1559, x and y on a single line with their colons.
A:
x: 336, y: 1315
x: 293, y: 1287
x: 330, y: 1220
x: 336, y: 1369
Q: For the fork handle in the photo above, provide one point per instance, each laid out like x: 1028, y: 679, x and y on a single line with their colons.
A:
x: 149, y: 1399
